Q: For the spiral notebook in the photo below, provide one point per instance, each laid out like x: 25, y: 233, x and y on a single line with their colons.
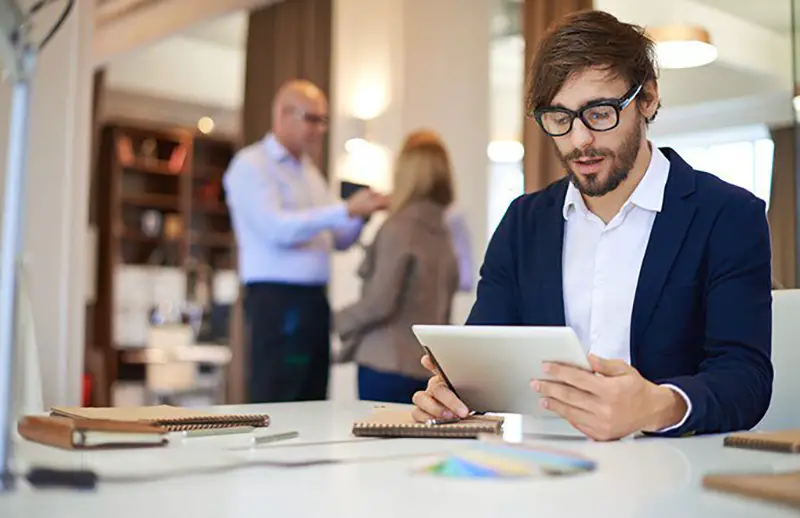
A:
x: 75, y: 434
x: 400, y: 423
x: 787, y: 441
x: 170, y: 418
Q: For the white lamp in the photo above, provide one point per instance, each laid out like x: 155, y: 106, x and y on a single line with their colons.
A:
x: 355, y: 133
x: 682, y: 46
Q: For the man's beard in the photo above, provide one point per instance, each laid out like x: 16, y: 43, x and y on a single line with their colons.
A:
x: 621, y: 164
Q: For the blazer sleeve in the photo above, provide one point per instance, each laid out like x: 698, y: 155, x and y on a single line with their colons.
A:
x: 497, y: 300
x: 733, y: 387
x: 392, y: 269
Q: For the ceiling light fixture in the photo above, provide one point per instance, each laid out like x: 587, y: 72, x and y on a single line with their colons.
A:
x: 682, y: 46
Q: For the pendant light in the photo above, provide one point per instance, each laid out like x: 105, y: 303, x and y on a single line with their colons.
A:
x: 682, y: 46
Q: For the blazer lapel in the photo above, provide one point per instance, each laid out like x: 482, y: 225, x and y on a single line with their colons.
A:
x: 547, y: 249
x: 666, y: 238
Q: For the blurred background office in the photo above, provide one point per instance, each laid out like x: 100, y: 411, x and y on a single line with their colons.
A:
x: 127, y: 224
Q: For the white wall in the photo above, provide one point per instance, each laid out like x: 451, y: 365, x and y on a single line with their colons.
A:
x: 57, y: 199
x: 184, y: 68
x: 410, y: 64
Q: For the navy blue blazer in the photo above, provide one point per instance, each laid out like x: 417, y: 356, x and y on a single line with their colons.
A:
x: 702, y: 313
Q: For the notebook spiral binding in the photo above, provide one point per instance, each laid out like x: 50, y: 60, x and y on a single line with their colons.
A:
x: 756, y: 444
x: 222, y: 421
x: 462, y: 430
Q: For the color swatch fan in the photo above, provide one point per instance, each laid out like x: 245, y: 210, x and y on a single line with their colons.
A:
x: 508, y: 460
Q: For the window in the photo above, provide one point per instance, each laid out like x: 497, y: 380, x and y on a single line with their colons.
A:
x: 506, y: 183
x: 741, y: 157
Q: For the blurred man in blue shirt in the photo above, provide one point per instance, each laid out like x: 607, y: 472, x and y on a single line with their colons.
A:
x: 287, y: 223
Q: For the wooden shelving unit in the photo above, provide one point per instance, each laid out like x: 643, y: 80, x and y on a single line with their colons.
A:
x: 161, y: 205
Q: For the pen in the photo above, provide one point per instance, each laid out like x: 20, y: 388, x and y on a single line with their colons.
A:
x: 263, y: 439
x: 443, y: 420
x: 449, y: 420
x: 218, y: 431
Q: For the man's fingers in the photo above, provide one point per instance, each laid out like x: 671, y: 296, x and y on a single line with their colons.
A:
x: 588, y: 431
x: 587, y: 422
x: 565, y: 394
x: 434, y: 381
x: 608, y: 367
x: 445, y: 396
x: 428, y: 364
x: 574, y: 415
x: 438, y: 390
x: 573, y: 376
x: 420, y: 415
x: 427, y: 404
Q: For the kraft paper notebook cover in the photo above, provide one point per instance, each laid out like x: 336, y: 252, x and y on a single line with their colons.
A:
x: 173, y: 419
x: 774, y: 487
x: 787, y: 441
x: 400, y: 423
x: 76, y: 434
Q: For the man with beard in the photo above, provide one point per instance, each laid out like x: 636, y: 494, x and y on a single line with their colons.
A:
x: 662, y: 271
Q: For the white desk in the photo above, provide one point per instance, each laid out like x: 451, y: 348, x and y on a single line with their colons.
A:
x: 636, y: 478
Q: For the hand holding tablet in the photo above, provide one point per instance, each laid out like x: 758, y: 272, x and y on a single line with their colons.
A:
x: 540, y: 371
x: 490, y: 368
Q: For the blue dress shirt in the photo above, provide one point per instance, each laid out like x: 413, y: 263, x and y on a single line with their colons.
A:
x: 284, y: 216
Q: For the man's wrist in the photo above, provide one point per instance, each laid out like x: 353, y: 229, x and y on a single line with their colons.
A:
x: 668, y: 409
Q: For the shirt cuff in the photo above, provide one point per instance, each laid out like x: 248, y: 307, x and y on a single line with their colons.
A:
x: 340, y: 218
x: 688, y: 408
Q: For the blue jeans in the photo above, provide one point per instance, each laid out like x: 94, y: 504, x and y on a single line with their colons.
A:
x: 387, y: 386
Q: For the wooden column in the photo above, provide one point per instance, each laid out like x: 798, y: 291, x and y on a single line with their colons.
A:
x: 782, y: 203
x: 95, y: 360
x: 286, y: 40
x: 541, y: 165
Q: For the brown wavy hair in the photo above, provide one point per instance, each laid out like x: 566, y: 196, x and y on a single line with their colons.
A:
x: 590, y: 39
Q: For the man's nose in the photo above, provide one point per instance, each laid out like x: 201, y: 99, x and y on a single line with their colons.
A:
x: 580, y: 136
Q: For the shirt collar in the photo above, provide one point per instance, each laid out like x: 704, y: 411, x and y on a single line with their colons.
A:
x: 276, y: 150
x: 649, y: 194
x: 573, y: 200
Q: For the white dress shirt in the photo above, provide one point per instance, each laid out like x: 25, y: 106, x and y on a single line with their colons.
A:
x: 601, y: 265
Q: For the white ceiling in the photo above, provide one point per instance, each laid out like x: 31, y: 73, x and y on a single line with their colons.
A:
x: 229, y: 31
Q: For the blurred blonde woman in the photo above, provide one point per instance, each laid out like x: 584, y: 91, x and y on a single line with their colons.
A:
x: 410, y: 274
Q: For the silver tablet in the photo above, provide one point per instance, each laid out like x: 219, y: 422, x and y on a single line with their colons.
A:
x: 490, y: 368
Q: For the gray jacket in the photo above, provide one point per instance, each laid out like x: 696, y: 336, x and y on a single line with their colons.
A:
x: 410, y: 275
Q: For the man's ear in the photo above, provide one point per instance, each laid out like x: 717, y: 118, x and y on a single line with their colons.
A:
x: 649, y: 101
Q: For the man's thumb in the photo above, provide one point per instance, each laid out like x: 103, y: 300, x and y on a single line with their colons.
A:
x: 608, y: 367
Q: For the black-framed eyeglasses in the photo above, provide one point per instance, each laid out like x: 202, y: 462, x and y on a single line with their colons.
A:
x: 600, y: 115
x: 311, y: 118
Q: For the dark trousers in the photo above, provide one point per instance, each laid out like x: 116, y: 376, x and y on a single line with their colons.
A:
x: 387, y: 386
x: 289, y: 339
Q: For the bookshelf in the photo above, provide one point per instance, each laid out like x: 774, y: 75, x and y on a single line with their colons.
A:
x: 163, y: 226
